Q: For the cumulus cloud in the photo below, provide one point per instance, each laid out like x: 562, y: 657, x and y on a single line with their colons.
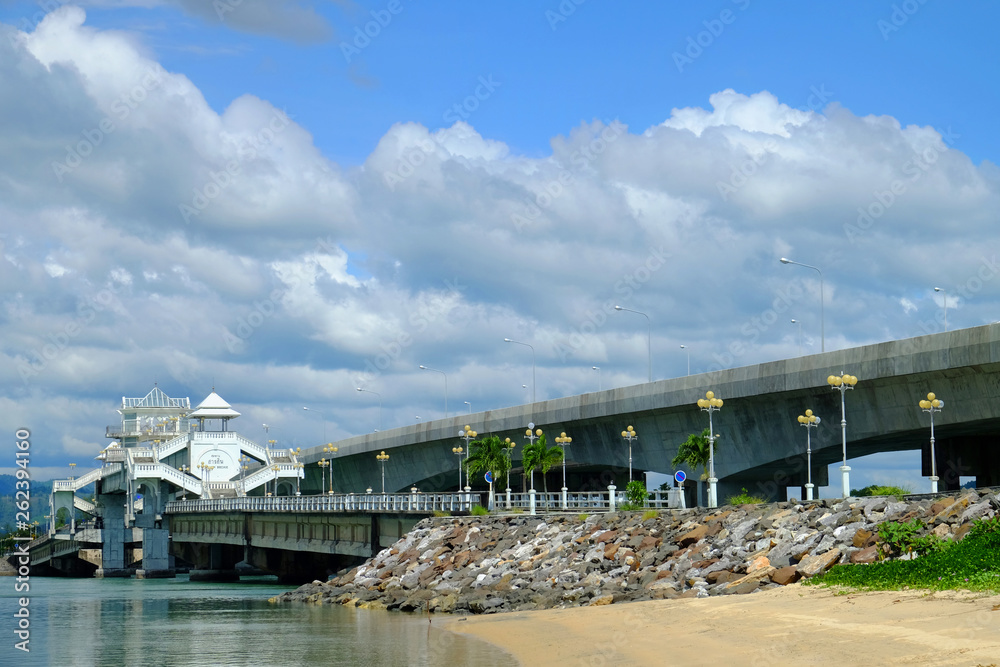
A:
x: 149, y: 237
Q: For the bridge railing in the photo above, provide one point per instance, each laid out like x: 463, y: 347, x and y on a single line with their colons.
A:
x: 339, y: 502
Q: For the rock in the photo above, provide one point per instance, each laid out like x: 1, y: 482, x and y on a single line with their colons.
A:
x: 975, y: 511
x: 813, y: 565
x: 866, y: 555
x: 758, y: 563
x: 602, y: 600
x: 785, y: 575
x: 861, y: 537
x: 481, y: 605
x: 693, y: 536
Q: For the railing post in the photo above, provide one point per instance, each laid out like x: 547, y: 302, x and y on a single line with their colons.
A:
x: 531, y: 501
x: 611, y: 497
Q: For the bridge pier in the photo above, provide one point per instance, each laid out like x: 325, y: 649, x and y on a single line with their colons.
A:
x: 113, y: 536
x: 215, y: 562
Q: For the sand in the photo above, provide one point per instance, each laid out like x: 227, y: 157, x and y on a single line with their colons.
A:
x: 795, y: 625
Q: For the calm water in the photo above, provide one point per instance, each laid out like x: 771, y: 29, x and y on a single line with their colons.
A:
x: 166, y: 622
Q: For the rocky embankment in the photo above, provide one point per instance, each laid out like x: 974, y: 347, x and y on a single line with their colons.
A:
x: 519, y: 562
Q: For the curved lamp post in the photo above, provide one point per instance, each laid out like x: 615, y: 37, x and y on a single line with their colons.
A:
x: 629, y: 434
x: 931, y: 405
x: 799, y: 340
x: 517, y: 342
x: 599, y: 383
x: 649, y: 337
x: 711, y: 404
x: 368, y: 391
x: 428, y: 368
x: 685, y: 348
x: 809, y: 420
x: 564, y: 441
x: 322, y: 416
x: 842, y: 384
x: 383, y: 458
x: 938, y: 289
x: 822, y: 331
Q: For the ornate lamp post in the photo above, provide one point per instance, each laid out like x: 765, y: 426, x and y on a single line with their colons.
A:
x: 809, y: 420
x: 564, y: 441
x: 531, y: 435
x: 299, y: 473
x: 275, y: 468
x: 72, y: 470
x: 323, y: 464
x: 383, y: 458
x: 185, y: 470
x: 509, y: 446
x: 468, y: 435
x: 842, y: 384
x: 711, y: 404
x: 331, y: 450
x: 457, y: 451
x: 931, y: 405
x: 244, y: 466
x: 629, y: 434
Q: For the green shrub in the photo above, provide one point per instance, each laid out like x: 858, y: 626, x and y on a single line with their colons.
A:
x: 972, y: 564
x: 881, y: 490
x: 744, y: 498
x: 479, y: 510
x: 896, y: 539
x: 441, y: 513
x: 636, y: 494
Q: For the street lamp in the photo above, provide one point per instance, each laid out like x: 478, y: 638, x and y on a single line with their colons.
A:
x: 711, y: 404
x: 322, y: 416
x: 427, y: 368
x: 684, y: 347
x: 470, y: 406
x: 457, y: 451
x: 564, y: 441
x: 467, y: 434
x: 244, y: 466
x: 383, y: 458
x: 323, y: 465
x: 379, y: 406
x: 185, y: 470
x: 799, y: 339
x: 72, y: 470
x: 629, y: 434
x: 508, y: 340
x: 842, y: 384
x: 809, y: 420
x: 931, y: 405
x: 598, y: 369
x: 275, y: 468
x: 331, y: 450
x: 822, y: 331
x: 649, y: 337
x: 531, y: 434
x: 509, y: 446
x: 938, y: 289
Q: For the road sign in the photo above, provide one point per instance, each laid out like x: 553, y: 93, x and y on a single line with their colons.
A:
x: 680, y: 476
x: 489, y: 476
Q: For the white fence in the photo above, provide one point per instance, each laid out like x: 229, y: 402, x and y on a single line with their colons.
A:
x: 338, y: 502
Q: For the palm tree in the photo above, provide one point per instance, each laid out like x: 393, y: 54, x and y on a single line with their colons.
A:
x: 488, y: 454
x: 695, y: 452
x: 540, y: 455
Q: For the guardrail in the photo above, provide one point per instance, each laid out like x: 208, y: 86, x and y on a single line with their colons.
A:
x: 424, y: 503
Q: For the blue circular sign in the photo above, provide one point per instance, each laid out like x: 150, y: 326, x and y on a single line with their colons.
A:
x: 680, y: 476
x: 489, y: 477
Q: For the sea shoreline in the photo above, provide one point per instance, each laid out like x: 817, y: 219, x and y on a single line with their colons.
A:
x: 791, y: 625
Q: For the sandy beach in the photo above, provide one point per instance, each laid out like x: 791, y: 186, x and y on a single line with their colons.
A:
x: 795, y: 625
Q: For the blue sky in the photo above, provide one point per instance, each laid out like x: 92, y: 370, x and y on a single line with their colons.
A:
x: 829, y: 103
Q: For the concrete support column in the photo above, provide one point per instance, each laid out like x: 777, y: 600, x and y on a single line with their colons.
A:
x: 113, y: 536
x: 155, y: 554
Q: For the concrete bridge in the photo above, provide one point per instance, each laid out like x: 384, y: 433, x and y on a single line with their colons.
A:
x: 762, y: 446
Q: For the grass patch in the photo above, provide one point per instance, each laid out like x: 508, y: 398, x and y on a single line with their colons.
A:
x: 582, y: 517
x: 882, y: 490
x: 972, y: 564
x: 441, y: 513
x: 649, y: 514
x: 744, y: 498
x: 479, y: 510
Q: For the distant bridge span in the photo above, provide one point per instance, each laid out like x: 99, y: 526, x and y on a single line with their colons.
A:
x: 762, y: 446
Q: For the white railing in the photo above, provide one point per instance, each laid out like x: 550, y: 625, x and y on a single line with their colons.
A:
x: 423, y: 503
x: 84, y: 505
x: 171, y: 446
x: 252, y: 448
x: 168, y: 473
x: 83, y: 480
x: 267, y: 474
